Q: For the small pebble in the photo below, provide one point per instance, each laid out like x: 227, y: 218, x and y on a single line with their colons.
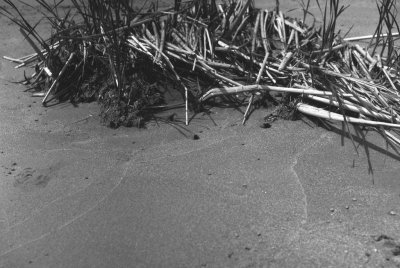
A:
x: 14, y: 164
x: 332, y: 210
x: 354, y: 199
x: 347, y: 207
x: 196, y: 137
x: 392, y: 213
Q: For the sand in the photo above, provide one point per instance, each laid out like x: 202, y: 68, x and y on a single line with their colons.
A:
x: 74, y: 193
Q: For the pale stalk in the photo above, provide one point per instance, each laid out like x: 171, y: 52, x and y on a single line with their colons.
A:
x: 353, y: 108
x: 321, y: 113
x: 251, y: 88
x: 58, y: 77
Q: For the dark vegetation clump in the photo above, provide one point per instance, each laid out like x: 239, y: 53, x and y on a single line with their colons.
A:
x: 215, y: 53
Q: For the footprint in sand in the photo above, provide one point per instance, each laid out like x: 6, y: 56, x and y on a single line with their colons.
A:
x: 30, y: 179
x: 390, y: 248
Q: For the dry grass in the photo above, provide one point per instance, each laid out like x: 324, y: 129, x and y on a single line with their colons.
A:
x: 229, y: 52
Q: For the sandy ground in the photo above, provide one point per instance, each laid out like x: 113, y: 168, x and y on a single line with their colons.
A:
x: 76, y: 194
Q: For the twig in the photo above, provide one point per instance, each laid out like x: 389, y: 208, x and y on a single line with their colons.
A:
x: 358, y: 38
x: 250, y: 88
x: 321, y: 113
x: 58, y: 77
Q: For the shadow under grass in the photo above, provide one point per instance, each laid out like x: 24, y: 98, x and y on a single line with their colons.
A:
x: 359, y: 138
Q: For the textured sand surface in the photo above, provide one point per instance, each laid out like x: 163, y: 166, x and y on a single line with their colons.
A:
x: 76, y: 194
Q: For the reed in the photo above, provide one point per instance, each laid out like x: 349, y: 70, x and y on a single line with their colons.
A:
x: 122, y: 56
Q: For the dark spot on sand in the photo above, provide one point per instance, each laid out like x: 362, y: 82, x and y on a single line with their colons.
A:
x: 389, y: 246
x: 396, y: 250
x: 172, y: 117
x: 265, y: 125
x: 196, y: 137
x: 381, y: 237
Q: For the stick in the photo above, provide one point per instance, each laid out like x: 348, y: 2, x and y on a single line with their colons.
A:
x: 157, y: 38
x: 353, y: 108
x: 240, y: 89
x: 365, y: 54
x: 285, y: 61
x: 58, y: 77
x: 295, y: 27
x: 321, y: 113
x: 162, y: 39
x: 357, y: 38
x: 12, y: 59
x: 392, y: 137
